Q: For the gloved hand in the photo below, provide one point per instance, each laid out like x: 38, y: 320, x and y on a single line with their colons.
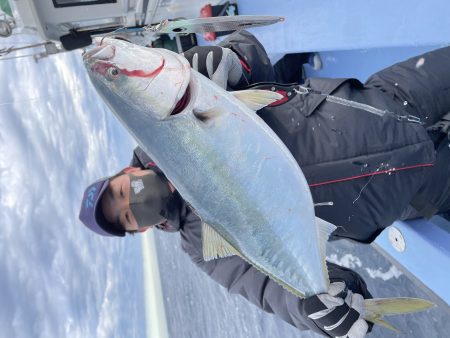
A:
x: 338, y: 312
x: 221, y: 65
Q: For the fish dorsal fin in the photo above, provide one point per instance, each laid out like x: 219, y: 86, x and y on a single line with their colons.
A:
x: 214, y: 245
x: 256, y: 99
x: 324, y: 229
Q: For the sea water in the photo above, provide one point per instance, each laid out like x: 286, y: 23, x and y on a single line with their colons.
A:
x: 198, y: 307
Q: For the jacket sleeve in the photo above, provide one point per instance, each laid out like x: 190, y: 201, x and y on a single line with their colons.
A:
x: 139, y: 159
x: 239, y: 277
x: 142, y: 160
x: 256, y: 63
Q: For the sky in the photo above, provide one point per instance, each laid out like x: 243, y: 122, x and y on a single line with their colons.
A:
x: 56, y: 137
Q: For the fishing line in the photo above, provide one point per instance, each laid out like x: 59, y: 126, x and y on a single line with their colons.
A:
x: 353, y: 104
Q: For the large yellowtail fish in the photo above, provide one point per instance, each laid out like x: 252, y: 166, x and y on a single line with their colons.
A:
x: 223, y: 159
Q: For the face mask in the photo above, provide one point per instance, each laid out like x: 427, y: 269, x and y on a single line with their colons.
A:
x: 171, y: 212
x: 149, y: 195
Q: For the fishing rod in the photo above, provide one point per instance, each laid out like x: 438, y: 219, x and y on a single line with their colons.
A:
x: 176, y: 27
x: 205, y: 25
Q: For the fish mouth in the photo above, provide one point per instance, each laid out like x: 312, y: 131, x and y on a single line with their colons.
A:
x: 100, y: 52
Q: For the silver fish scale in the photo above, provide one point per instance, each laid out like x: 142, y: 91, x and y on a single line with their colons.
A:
x: 245, y: 184
x: 240, y: 179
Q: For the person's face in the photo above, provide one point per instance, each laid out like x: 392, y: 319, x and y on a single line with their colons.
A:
x: 116, y: 201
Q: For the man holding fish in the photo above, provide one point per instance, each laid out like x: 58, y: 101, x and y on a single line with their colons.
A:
x: 247, y: 214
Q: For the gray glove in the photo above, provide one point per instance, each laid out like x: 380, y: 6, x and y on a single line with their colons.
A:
x: 221, y: 65
x: 338, y: 312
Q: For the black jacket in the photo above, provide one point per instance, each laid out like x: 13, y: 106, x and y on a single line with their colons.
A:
x: 368, y: 166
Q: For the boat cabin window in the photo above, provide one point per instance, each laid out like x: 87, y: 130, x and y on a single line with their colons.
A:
x: 70, y: 3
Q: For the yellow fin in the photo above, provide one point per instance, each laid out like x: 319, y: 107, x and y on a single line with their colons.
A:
x: 395, y: 306
x: 214, y: 245
x: 256, y: 99
x: 325, y: 229
x: 376, y: 308
x: 385, y: 324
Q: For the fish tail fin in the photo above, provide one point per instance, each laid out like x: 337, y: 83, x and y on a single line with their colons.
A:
x: 385, y: 324
x: 325, y: 229
x: 376, y: 308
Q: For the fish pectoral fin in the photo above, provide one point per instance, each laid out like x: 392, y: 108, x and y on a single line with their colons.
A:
x: 208, y: 115
x: 256, y: 99
x: 214, y: 245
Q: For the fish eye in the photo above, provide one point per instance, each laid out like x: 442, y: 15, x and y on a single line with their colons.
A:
x: 112, y: 73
